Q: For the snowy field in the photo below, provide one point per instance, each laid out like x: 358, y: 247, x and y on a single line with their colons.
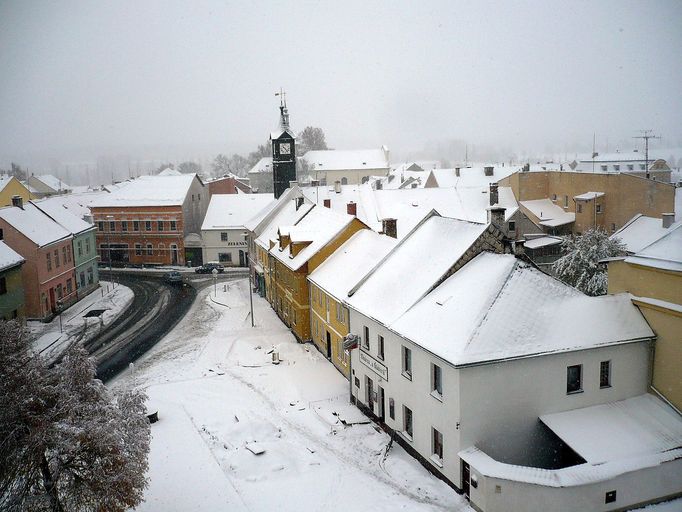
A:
x: 220, y: 399
x: 49, y: 340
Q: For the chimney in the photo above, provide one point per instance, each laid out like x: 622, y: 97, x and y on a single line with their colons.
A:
x: 327, y: 203
x: 496, y: 215
x: 390, y: 227
x: 337, y: 186
x: 488, y: 171
x: 378, y: 185
x: 457, y: 171
x: 299, y: 202
x: 519, y: 247
x: 526, y: 168
x: 314, y: 183
x: 18, y: 202
x: 352, y: 208
x: 494, y: 196
x: 668, y: 219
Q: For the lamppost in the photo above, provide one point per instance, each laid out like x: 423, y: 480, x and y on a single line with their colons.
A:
x: 248, y: 258
x: 350, y: 341
x: 110, y: 219
x: 60, y: 305
x: 215, y: 281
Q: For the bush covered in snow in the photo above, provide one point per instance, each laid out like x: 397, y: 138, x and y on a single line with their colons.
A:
x: 67, y: 443
x: 579, y: 266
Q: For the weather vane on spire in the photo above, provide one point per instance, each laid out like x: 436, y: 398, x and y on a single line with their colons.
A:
x: 284, y: 112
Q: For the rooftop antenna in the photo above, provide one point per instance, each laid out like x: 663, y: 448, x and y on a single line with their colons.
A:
x: 646, y: 135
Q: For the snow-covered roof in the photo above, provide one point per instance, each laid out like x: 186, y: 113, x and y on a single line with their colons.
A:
x: 413, y: 267
x: 149, y: 191
x: 417, y: 165
x: 351, y: 262
x: 227, y: 211
x: 639, y: 232
x: 472, y: 176
x: 341, y: 160
x: 626, y: 156
x: 543, y: 241
x: 263, y: 165
x: 636, y: 426
x: 587, y: 196
x: 496, y: 308
x: 53, y: 182
x: 317, y: 228
x: 548, y: 213
x: 34, y: 224
x: 4, y: 181
x: 286, y: 214
x: 665, y: 253
x: 8, y: 258
x: 281, y: 131
x: 170, y: 172
x: 61, y: 214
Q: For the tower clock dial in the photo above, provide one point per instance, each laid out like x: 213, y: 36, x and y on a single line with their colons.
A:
x: 285, y: 148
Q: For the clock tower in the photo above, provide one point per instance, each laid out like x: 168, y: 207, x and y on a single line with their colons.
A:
x: 283, y: 150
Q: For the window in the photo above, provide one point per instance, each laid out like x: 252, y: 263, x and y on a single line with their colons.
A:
x: 192, y: 197
x: 56, y: 258
x: 87, y: 246
x: 91, y: 276
x: 437, y: 445
x: 198, y: 197
x: 112, y: 225
x: 147, y: 225
x: 138, y: 249
x: 407, y: 422
x: 340, y: 313
x: 344, y: 181
x: 512, y: 225
x: 68, y: 252
x: 49, y: 261
x: 150, y: 250
x: 598, y: 208
x: 69, y: 288
x: 574, y: 379
x: 223, y: 236
x: 80, y: 248
x: 604, y: 167
x: 605, y: 374
x: 173, y: 225
x: 159, y: 225
x: 380, y: 349
x: 407, y: 362
x: 82, y: 279
x: 631, y: 167
x: 60, y: 292
x: 365, y: 340
x: 642, y: 167
x: 391, y: 408
x: 565, y: 201
x: 225, y: 257
x: 553, y: 197
x: 613, y: 226
x: 610, y: 497
x: 136, y: 225
x: 580, y: 208
x: 3, y: 286
x: 100, y: 225
x: 616, y: 167
x: 124, y: 225
x: 436, y: 381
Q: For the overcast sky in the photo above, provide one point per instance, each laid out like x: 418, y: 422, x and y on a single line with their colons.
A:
x: 201, y: 75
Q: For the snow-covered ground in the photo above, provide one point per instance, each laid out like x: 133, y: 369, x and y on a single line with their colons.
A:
x: 219, y: 397
x: 49, y: 340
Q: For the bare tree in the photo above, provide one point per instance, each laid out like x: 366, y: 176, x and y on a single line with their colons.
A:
x: 67, y: 443
x: 189, y: 168
x: 311, y: 139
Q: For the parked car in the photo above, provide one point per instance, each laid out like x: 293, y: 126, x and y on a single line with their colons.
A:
x: 173, y: 277
x: 208, y: 268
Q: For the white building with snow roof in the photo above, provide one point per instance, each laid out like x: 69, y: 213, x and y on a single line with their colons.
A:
x: 47, y: 185
x: 348, y: 167
x: 473, y: 376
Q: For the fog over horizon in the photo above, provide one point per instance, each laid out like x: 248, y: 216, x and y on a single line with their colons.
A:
x: 174, y: 81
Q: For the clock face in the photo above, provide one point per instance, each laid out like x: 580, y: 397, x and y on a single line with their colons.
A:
x: 285, y: 149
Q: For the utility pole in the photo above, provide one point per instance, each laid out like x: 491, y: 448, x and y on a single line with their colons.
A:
x: 646, y: 135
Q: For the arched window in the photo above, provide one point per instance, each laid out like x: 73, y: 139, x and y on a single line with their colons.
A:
x: 365, y: 179
x: 344, y: 181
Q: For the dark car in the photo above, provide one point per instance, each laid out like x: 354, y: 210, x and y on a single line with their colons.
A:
x: 208, y: 268
x: 173, y: 277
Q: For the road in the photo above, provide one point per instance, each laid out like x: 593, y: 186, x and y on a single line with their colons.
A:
x: 155, y: 310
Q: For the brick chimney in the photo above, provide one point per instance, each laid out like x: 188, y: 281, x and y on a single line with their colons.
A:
x: 327, y: 203
x: 390, y: 227
x: 668, y: 218
x: 314, y: 183
x: 378, y: 185
x: 352, y: 208
x: 18, y: 201
x: 457, y: 171
x: 496, y: 215
x: 488, y: 171
x: 494, y: 195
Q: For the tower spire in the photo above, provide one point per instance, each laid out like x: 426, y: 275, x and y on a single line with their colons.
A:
x: 283, y: 111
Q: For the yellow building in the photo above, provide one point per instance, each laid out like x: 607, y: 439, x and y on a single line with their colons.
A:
x: 329, y: 285
x: 299, y: 250
x: 654, y: 276
x: 10, y: 187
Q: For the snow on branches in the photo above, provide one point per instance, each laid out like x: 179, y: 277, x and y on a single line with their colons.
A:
x: 580, y: 267
x: 67, y: 443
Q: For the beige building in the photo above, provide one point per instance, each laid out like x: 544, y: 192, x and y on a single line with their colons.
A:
x: 654, y: 276
x: 347, y: 167
x: 561, y: 202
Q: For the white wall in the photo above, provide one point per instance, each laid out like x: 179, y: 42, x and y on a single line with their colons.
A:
x: 194, y: 211
x: 501, y: 402
x: 212, y: 245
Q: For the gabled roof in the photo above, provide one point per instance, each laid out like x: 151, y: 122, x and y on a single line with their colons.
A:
x: 341, y: 160
x: 8, y: 258
x: 413, y: 267
x: 316, y: 229
x: 498, y: 308
x: 231, y: 211
x: 263, y: 165
x: 53, y: 182
x: 665, y: 253
x: 640, y: 231
x: 472, y: 176
x: 149, y: 191
x: 548, y: 213
x: 285, y: 214
x: 277, y: 134
x: 351, y: 262
x: 261, y: 219
x: 34, y: 224
x: 5, y: 180
x: 170, y: 172
x: 59, y: 213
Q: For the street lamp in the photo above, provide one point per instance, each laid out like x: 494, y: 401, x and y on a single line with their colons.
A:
x: 60, y: 306
x: 350, y: 341
x: 110, y: 219
x: 215, y: 281
x: 250, y: 284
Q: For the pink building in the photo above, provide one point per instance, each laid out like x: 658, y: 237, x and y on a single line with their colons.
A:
x: 48, y: 276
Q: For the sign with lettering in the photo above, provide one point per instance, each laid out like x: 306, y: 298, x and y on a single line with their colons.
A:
x: 379, y: 368
x: 236, y: 244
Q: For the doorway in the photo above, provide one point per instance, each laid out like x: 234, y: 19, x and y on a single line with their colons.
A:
x: 329, y: 346
x: 380, y: 400
x: 242, y: 258
x: 174, y: 254
x: 369, y: 389
x: 466, y: 473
